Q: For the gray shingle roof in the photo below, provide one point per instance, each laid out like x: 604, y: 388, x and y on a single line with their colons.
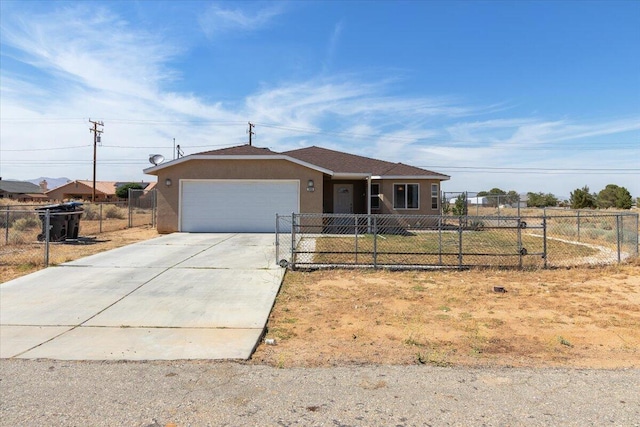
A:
x: 340, y: 162
x: 19, y: 187
x: 240, y: 150
x: 336, y: 161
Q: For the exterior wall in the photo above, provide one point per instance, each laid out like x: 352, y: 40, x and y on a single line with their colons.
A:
x: 169, y: 196
x: 386, y: 202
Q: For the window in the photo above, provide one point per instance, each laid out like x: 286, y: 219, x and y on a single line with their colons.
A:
x: 434, y: 196
x: 375, y: 196
x: 405, y: 196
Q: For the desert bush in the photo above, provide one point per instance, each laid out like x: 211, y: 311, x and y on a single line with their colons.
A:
x: 26, y: 223
x: 91, y: 212
x: 19, y: 239
x: 13, y: 216
x: 113, y: 212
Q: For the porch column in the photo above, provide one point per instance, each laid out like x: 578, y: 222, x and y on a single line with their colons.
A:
x: 369, y: 204
x: 369, y: 195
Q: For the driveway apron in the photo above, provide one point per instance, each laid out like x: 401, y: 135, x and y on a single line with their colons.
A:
x: 179, y: 296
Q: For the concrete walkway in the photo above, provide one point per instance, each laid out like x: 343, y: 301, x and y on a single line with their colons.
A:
x: 179, y: 296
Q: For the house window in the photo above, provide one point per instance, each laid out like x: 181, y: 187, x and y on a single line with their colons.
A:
x: 434, y: 196
x: 375, y: 196
x: 405, y: 196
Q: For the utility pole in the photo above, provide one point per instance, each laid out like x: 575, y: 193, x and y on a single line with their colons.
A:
x: 96, y: 139
x: 251, y: 132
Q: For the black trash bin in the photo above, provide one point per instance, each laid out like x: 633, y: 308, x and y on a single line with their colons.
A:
x: 64, y: 223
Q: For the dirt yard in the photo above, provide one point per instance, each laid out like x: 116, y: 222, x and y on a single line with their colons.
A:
x: 579, y: 317
x: 64, y: 252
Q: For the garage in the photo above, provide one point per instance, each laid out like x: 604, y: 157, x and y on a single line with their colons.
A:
x: 249, y: 206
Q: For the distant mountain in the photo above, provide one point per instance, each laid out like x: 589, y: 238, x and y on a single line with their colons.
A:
x: 51, y: 182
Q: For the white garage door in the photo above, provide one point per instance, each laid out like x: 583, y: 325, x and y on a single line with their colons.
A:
x: 236, y: 206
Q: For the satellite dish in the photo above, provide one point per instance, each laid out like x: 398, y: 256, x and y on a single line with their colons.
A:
x: 156, y: 159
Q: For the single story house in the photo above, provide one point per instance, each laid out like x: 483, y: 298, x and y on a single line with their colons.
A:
x: 22, y: 191
x: 83, y: 190
x: 240, y: 189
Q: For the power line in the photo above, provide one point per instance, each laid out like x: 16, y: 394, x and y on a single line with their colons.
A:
x: 48, y: 149
x: 530, y: 169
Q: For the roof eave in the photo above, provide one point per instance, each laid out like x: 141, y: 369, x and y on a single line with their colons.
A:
x: 154, y: 169
x: 438, y: 177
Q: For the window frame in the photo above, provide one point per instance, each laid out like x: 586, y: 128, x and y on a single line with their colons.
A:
x: 435, y: 196
x: 406, y: 197
x: 375, y: 196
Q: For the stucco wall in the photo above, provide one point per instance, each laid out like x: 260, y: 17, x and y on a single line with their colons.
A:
x: 168, y: 197
x: 386, y: 204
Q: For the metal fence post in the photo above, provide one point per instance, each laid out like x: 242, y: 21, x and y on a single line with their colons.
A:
x: 6, y: 224
x: 47, y: 233
x: 100, y: 220
x: 637, y: 239
x: 293, y: 239
x: 440, y: 240
x: 460, y: 243
x: 375, y: 242
x: 130, y: 214
x: 355, y: 218
x: 520, y: 254
x: 578, y: 226
x: 618, y: 234
x: 544, y: 240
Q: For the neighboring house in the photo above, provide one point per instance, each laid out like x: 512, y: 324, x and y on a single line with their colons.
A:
x: 21, y: 191
x: 83, y: 190
x: 242, y: 188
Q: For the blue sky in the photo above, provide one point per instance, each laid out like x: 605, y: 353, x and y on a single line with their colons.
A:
x: 526, y: 96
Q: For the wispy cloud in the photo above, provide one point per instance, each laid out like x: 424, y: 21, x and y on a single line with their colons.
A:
x: 217, y: 20
x: 92, y: 48
x: 332, y: 46
x: 120, y: 75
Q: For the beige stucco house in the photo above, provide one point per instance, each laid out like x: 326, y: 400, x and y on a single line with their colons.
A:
x: 83, y: 190
x: 242, y: 188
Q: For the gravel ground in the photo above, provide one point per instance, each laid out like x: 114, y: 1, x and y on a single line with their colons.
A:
x: 58, y: 393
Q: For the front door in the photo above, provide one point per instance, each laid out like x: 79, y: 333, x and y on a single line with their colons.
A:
x: 343, y: 198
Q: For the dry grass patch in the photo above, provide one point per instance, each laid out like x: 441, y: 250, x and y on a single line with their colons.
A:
x: 580, y: 317
x: 19, y: 260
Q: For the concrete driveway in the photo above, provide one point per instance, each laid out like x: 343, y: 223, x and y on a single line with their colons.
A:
x: 179, y: 296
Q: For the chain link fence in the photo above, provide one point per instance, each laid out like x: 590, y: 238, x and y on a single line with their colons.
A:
x: 25, y: 241
x: 411, y: 241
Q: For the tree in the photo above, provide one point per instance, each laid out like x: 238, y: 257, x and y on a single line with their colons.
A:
x: 497, y: 196
x: 581, y: 198
x: 123, y: 191
x: 460, y: 207
x: 613, y: 196
x: 541, y: 200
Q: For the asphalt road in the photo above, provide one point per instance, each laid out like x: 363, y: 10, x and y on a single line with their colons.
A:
x: 64, y: 393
